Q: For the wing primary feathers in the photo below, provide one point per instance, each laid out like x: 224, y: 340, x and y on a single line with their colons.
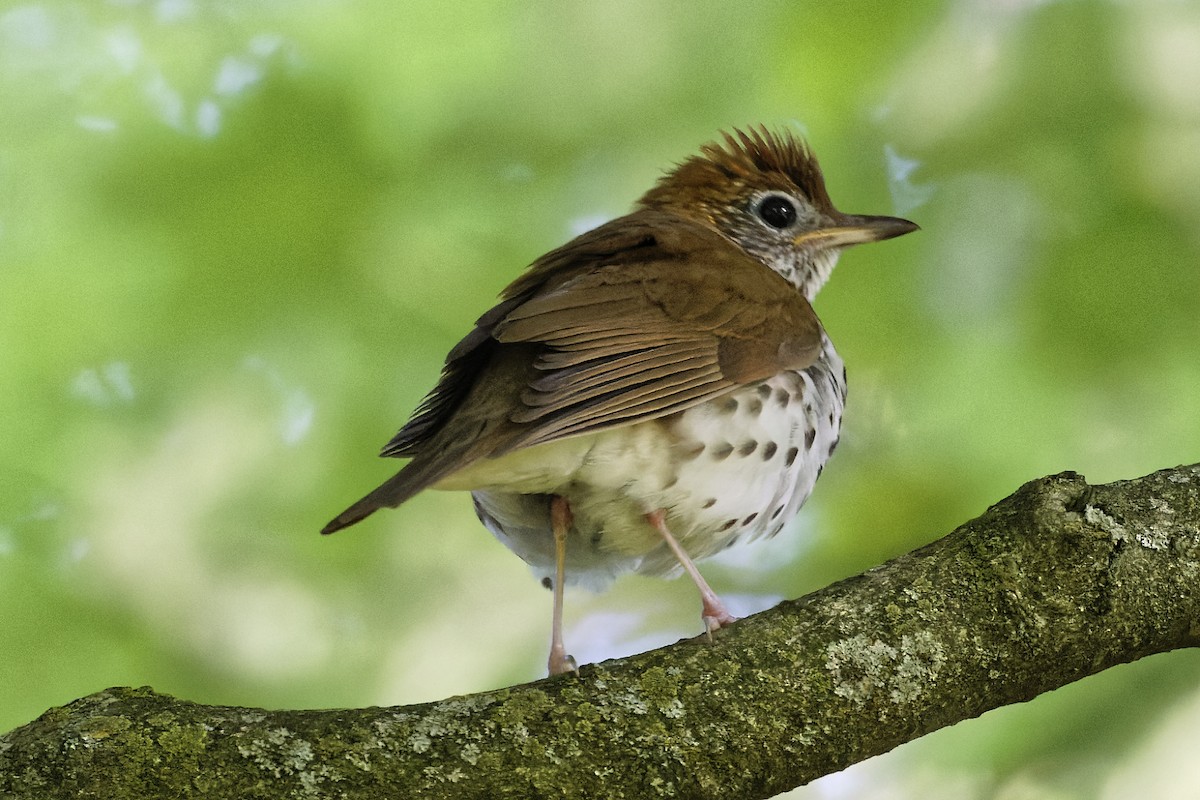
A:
x: 579, y: 410
x: 595, y: 417
x: 628, y: 387
x: 567, y: 375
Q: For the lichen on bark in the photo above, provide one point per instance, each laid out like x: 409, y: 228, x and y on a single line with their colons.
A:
x: 1056, y: 582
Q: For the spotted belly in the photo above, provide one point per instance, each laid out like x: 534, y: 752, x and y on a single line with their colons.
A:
x: 731, y: 470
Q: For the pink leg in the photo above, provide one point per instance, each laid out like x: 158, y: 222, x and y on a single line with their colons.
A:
x: 713, y: 611
x: 560, y: 523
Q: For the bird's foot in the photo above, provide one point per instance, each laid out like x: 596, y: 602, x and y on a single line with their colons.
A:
x: 560, y: 522
x: 714, y: 614
x: 712, y: 611
x: 561, y: 662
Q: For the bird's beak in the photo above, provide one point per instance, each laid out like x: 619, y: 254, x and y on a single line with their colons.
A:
x: 851, y: 229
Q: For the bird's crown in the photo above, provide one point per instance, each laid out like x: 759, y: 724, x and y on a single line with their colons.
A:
x: 755, y: 159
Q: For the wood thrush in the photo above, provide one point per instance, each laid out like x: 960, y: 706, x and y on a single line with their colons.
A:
x: 656, y: 389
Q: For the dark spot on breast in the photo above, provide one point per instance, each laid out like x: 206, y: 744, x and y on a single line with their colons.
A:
x: 809, y: 436
x: 782, y: 398
x: 691, y: 451
x: 764, y: 391
x: 775, y: 530
x: 728, y: 406
x: 750, y: 518
x: 722, y: 451
x: 709, y: 503
x: 732, y: 541
x: 833, y: 445
x: 768, y: 451
x: 671, y: 483
x: 791, y: 456
x: 747, y: 447
x: 728, y: 524
x: 755, y: 407
x: 830, y: 417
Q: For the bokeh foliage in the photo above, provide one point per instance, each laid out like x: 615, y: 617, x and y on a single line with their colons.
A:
x: 236, y: 240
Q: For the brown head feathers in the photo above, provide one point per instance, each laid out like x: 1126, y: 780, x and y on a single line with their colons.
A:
x: 756, y: 157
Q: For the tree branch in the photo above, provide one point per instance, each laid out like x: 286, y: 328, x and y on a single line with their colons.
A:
x: 1059, y: 581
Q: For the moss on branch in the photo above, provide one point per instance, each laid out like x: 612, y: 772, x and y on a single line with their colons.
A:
x: 1056, y: 582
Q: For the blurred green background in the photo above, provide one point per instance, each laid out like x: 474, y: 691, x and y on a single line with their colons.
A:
x: 237, y: 238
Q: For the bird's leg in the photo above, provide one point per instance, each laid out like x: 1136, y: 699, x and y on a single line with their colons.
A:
x: 560, y: 523
x: 713, y: 611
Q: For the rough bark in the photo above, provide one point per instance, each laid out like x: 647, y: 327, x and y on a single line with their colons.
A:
x: 1059, y: 581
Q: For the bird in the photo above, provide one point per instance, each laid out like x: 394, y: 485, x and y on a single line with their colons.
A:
x: 655, y: 390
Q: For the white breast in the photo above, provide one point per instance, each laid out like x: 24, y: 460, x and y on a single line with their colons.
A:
x: 728, y: 471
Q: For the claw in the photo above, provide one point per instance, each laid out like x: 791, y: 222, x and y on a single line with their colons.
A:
x: 561, y: 663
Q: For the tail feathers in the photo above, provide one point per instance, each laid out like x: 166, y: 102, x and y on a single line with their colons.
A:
x: 355, y: 513
x: 394, y: 491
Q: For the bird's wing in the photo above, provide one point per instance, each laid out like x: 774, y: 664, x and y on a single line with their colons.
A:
x: 627, y: 342
x: 624, y: 327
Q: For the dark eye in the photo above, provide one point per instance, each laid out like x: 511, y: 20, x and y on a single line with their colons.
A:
x: 777, y: 211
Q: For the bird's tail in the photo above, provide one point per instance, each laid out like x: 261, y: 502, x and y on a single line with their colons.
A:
x: 418, y: 474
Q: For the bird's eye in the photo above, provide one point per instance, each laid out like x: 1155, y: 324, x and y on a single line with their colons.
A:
x: 777, y: 211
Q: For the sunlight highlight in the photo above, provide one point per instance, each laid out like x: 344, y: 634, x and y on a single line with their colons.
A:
x: 110, y: 384
x: 297, y: 409
x: 906, y: 195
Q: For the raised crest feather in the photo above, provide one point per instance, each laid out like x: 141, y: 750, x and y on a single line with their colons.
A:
x: 753, y: 155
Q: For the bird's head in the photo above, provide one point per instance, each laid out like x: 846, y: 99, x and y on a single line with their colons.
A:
x: 764, y: 191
